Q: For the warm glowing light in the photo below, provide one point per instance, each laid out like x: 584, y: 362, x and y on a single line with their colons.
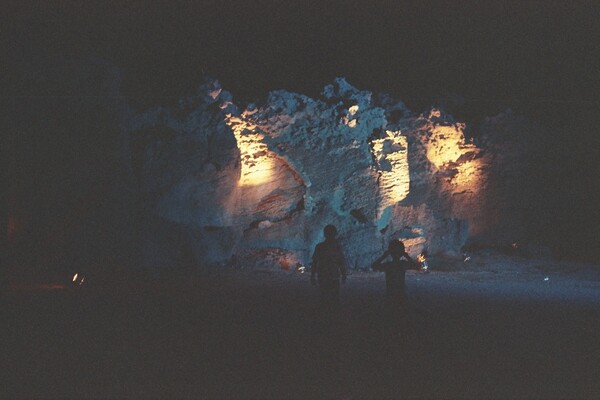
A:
x: 447, y: 149
x: 290, y: 261
x: 75, y: 277
x: 391, y: 156
x: 422, y: 260
x: 353, y: 110
x: 447, y: 144
x: 257, y: 160
x: 469, y: 174
x: 257, y: 166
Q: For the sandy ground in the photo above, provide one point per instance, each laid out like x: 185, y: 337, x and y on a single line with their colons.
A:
x: 492, y: 327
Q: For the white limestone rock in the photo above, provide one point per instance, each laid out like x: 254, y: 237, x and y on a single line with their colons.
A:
x: 268, y: 179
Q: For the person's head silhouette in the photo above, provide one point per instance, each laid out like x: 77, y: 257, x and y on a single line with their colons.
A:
x: 330, y: 232
x: 396, y: 248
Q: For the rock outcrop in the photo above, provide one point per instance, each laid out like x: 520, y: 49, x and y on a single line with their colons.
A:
x: 263, y: 182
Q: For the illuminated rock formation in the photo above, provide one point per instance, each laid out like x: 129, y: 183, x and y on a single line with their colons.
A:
x: 187, y: 164
x: 265, y: 181
x: 269, y: 189
x: 391, y: 158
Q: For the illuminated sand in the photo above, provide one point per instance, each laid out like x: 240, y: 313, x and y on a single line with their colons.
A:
x: 499, y: 332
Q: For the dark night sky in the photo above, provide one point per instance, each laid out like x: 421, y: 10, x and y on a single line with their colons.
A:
x: 540, y: 57
x: 538, y: 51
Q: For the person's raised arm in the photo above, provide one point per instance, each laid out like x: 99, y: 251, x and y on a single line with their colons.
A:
x: 413, y: 264
x: 377, y: 263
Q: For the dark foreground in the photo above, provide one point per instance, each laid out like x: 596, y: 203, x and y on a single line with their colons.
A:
x: 261, y: 336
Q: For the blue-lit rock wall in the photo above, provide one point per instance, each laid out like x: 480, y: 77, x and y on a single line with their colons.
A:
x: 246, y: 185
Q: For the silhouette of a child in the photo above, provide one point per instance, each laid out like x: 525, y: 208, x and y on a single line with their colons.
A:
x: 395, y: 270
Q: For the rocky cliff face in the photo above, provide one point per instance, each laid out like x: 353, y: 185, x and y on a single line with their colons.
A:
x: 260, y: 184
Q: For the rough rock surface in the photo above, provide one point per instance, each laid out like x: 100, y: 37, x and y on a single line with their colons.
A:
x: 266, y: 180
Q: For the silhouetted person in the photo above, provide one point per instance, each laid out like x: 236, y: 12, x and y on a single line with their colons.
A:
x: 328, y: 265
x: 395, y: 271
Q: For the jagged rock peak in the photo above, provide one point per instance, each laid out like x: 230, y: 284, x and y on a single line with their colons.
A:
x: 341, y: 90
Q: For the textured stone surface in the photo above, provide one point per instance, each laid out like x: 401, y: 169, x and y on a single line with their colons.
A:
x: 266, y: 180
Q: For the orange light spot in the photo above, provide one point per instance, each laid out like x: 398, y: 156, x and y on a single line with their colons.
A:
x: 391, y: 155
x: 258, y: 165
